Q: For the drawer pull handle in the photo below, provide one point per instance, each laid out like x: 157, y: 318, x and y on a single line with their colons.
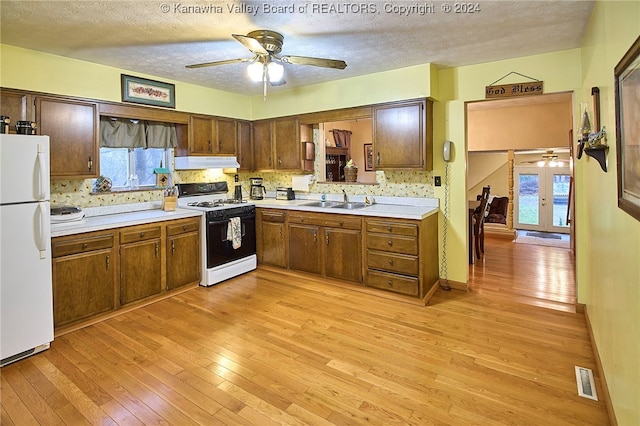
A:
x: 341, y: 223
x: 173, y: 246
x: 389, y: 228
x: 85, y: 245
x: 108, y: 262
x: 141, y: 234
x: 157, y: 250
x: 184, y: 227
x: 390, y: 283
x: 390, y: 243
x: 391, y: 262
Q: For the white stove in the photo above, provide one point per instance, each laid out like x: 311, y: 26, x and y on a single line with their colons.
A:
x: 228, y: 230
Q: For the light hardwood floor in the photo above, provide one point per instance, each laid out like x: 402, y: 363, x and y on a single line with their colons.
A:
x: 272, y: 347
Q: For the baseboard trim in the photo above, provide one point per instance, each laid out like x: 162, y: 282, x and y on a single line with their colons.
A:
x: 605, y: 389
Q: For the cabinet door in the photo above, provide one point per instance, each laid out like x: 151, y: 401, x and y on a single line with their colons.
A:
x: 399, y: 136
x: 304, y: 248
x: 72, y: 127
x: 286, y: 135
x: 183, y: 260
x: 226, y: 137
x: 343, y: 254
x: 262, y: 152
x: 272, y: 247
x: 140, y: 270
x: 244, y: 151
x: 83, y: 285
x: 202, y: 131
x: 16, y: 106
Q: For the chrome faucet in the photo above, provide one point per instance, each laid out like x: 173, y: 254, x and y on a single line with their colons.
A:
x: 346, y: 197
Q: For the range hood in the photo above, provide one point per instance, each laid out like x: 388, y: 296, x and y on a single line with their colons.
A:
x: 199, y: 163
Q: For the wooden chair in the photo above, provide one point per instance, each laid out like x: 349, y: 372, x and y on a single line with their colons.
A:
x: 478, y: 220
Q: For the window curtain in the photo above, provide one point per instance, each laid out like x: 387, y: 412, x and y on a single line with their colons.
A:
x: 342, y: 138
x: 125, y: 133
x: 161, y: 135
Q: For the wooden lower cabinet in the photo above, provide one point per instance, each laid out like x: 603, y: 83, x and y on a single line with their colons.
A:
x: 95, y: 273
x: 326, y: 244
x: 343, y: 254
x: 140, y: 263
x: 401, y: 255
x: 271, y: 238
x: 183, y: 253
x: 304, y: 248
x: 395, y: 255
x: 84, y: 277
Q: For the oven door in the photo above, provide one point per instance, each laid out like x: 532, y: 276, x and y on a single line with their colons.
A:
x: 220, y: 249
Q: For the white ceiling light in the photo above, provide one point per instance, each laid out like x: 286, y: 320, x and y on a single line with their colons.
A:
x: 275, y: 72
x: 256, y: 71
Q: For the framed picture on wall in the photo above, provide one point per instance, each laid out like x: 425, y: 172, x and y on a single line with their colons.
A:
x: 627, y: 98
x: 148, y: 92
x: 368, y: 157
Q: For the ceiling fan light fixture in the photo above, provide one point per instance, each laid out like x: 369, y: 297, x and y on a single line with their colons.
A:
x: 541, y: 163
x: 256, y: 71
x: 275, y: 72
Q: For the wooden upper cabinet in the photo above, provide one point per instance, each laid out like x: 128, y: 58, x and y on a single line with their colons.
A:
x: 286, y: 135
x: 244, y: 151
x: 277, y: 144
x: 262, y: 145
x: 72, y: 127
x: 402, y: 135
x: 212, y: 136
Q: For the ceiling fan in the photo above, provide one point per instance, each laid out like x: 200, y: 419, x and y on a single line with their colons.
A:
x: 549, y: 159
x: 266, y: 65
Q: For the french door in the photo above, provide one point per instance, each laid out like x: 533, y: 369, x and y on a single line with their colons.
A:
x: 542, y: 198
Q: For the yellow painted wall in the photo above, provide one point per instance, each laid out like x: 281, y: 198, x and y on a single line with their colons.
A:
x: 608, y: 252
x: 560, y: 72
x: 42, y: 72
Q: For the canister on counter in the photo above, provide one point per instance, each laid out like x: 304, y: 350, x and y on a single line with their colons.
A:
x: 5, y: 122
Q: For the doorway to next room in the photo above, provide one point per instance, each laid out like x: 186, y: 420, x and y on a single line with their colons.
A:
x: 521, y: 149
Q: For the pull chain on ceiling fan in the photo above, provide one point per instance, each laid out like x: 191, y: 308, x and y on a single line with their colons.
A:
x: 266, y: 65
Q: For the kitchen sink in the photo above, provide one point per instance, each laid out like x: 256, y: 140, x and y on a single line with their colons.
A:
x: 349, y: 206
x: 320, y: 204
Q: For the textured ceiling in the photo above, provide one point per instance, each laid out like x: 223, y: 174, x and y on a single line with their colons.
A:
x: 161, y: 37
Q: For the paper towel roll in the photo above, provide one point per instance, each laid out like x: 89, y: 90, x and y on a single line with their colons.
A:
x: 300, y: 183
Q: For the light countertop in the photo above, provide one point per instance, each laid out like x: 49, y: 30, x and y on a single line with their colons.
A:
x: 379, y: 209
x: 121, y: 219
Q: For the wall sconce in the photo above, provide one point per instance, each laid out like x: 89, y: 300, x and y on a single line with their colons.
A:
x: 593, y: 144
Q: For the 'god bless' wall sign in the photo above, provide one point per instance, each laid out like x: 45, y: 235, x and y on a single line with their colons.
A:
x: 512, y: 90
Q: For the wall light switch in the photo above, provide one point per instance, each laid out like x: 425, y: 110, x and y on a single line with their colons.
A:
x: 437, y: 181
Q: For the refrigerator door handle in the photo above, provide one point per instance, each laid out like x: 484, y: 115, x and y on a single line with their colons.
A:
x: 42, y: 231
x: 42, y: 172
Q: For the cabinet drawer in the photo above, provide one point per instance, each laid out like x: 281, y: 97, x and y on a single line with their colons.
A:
x: 139, y: 234
x: 401, y: 263
x: 81, y: 245
x: 393, y: 243
x: 392, y: 282
x: 341, y: 221
x: 183, y: 228
x: 397, y: 228
x: 273, y: 216
x: 305, y: 218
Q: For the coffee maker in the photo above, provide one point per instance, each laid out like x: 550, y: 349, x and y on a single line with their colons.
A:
x: 257, y: 191
x: 237, y: 195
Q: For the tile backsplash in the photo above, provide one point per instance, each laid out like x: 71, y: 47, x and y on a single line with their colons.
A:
x: 388, y: 183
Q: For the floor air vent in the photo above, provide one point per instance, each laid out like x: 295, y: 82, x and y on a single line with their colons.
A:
x: 586, y: 384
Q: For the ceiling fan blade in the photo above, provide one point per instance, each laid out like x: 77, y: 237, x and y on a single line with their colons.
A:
x: 316, y: 62
x: 227, y: 61
x: 251, y: 43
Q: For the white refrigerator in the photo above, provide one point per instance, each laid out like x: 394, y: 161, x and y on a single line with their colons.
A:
x: 26, y: 294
